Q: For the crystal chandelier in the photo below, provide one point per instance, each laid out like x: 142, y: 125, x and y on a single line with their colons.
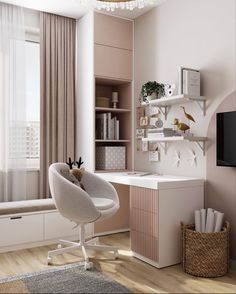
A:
x: 111, y: 5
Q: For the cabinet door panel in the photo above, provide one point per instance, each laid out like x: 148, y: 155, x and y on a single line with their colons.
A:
x: 113, y: 62
x: 113, y: 31
x: 21, y: 229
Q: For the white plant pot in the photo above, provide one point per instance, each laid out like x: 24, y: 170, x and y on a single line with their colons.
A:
x: 152, y: 96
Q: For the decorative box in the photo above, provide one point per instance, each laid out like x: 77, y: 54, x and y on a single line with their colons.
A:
x: 110, y: 157
x: 102, y: 102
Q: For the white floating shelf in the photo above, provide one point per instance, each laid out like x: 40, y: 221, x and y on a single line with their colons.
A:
x: 172, y: 100
x: 109, y: 109
x: 112, y: 141
x: 175, y: 138
x: 163, y: 141
x: 165, y: 103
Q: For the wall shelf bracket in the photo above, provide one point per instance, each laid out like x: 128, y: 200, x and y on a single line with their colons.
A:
x: 202, y: 106
x: 164, y: 111
x: 202, y: 146
x: 164, y: 146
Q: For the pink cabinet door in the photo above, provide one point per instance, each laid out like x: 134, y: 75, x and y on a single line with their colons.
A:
x: 144, y: 222
x: 112, y: 62
x: 113, y: 31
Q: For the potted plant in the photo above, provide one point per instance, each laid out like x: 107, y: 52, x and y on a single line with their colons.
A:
x: 152, y: 90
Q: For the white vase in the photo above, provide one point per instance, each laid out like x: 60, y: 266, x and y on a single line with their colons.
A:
x: 152, y: 96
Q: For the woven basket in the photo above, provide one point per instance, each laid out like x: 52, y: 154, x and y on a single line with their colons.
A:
x: 205, y: 254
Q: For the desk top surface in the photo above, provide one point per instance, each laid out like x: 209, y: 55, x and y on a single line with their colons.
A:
x: 151, y: 181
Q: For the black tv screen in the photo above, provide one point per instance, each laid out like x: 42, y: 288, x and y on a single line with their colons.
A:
x: 226, y: 138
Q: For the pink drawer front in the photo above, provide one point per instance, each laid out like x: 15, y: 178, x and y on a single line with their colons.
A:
x: 144, y: 222
x: 144, y: 199
x: 144, y: 245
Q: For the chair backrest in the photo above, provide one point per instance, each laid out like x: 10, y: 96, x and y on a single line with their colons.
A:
x: 71, y: 201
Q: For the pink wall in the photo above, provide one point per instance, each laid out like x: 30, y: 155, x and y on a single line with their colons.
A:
x: 221, y: 181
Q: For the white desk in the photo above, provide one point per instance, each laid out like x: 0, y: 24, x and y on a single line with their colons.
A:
x: 156, y: 182
x: 157, y: 206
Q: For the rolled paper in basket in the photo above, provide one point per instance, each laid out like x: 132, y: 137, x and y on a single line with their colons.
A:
x: 219, y: 221
x: 203, y: 220
x: 215, y: 217
x: 197, y: 220
x: 210, y: 221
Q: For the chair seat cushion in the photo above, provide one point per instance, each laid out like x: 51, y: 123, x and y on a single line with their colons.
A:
x: 102, y: 203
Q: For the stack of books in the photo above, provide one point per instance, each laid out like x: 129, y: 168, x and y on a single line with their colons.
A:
x: 160, y: 133
x: 107, y: 127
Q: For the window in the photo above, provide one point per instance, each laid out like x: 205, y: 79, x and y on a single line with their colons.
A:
x: 29, y: 129
x: 33, y: 103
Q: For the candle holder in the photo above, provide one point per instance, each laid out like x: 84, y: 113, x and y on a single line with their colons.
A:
x: 114, y: 99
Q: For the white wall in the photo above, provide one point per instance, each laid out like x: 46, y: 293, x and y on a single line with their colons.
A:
x: 194, y: 33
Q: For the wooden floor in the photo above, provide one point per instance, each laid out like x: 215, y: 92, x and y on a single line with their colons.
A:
x: 136, y: 275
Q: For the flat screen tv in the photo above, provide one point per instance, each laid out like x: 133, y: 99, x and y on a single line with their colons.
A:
x: 226, y: 138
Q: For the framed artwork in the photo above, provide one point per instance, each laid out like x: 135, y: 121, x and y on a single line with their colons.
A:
x: 144, y: 146
x: 140, y: 133
x: 153, y: 146
x: 154, y: 156
x: 143, y: 121
x: 140, y: 112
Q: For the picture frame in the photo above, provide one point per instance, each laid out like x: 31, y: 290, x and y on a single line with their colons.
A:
x: 140, y: 133
x: 143, y: 121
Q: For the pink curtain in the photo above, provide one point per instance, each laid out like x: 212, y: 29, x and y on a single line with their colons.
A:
x: 57, y: 67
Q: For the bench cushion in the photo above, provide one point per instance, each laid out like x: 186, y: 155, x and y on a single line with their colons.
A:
x: 26, y: 206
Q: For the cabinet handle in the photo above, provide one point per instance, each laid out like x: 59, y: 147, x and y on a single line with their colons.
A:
x: 16, y: 217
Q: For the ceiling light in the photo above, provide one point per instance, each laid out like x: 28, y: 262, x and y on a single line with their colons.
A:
x: 111, y: 5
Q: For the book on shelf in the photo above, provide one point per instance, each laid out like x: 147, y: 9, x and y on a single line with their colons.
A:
x: 112, y: 128
x: 107, y: 127
x: 161, y: 130
x: 160, y: 133
x: 117, y: 130
x: 101, y: 126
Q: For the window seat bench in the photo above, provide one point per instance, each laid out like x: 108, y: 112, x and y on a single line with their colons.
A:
x: 32, y: 223
x: 16, y: 207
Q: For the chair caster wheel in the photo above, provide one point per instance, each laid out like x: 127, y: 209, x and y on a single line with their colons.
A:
x: 116, y: 254
x: 59, y: 246
x: 49, y: 260
x: 88, y: 266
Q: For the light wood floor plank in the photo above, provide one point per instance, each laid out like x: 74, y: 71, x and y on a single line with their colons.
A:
x: 136, y: 275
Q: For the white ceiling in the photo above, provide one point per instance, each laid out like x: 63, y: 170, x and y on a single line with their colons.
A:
x: 71, y: 8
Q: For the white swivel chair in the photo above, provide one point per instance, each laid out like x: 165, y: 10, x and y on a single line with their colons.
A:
x: 98, y: 202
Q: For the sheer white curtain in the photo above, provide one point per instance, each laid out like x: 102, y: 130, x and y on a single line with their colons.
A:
x: 13, y: 129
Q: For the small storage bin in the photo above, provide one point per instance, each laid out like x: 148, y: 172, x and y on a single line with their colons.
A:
x: 110, y: 157
x: 102, y: 102
x: 205, y: 254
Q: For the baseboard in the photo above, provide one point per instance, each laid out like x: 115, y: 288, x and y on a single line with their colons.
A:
x: 145, y: 259
x: 111, y: 232
x: 233, y: 264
